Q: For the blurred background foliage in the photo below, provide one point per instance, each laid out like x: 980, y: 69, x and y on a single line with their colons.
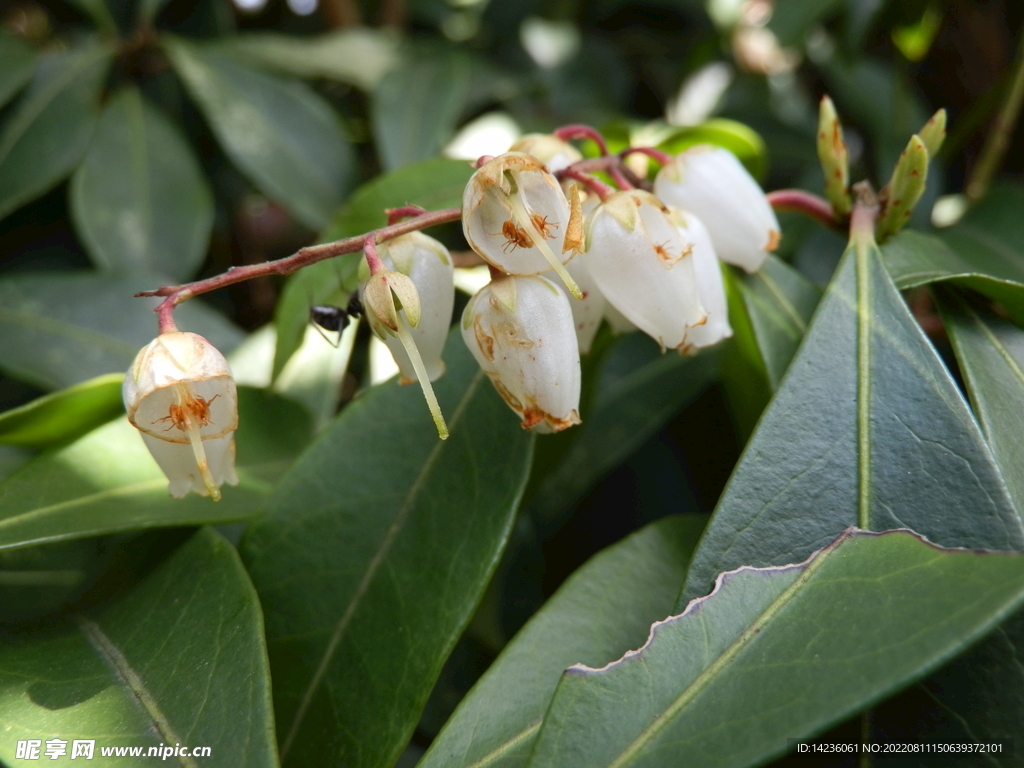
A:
x: 145, y: 142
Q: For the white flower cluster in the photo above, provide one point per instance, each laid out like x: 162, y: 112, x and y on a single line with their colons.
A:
x: 640, y: 260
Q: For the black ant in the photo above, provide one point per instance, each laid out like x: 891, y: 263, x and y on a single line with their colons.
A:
x: 326, y: 317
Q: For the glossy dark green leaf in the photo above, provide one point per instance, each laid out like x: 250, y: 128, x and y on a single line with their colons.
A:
x: 637, y: 391
x: 770, y: 655
x: 139, y: 199
x: 360, y: 56
x: 60, y: 328
x: 995, y: 269
x: 432, y: 184
x: 49, y: 129
x: 374, y: 552
x: 179, y: 659
x: 107, y: 481
x: 769, y: 312
x: 867, y: 429
x: 416, y: 108
x: 603, y: 610
x: 64, y: 415
x: 17, y: 60
x: 284, y: 137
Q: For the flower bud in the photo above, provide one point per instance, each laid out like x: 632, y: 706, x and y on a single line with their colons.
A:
x: 520, y: 330
x: 554, y: 152
x: 179, y: 393
x: 711, y: 183
x: 515, y: 215
x: 640, y: 254
x: 904, y: 189
x: 834, y: 157
x: 427, y: 263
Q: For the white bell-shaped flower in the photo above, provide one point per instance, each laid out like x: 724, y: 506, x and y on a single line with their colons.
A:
x: 710, y: 287
x: 711, y: 183
x: 180, y: 394
x: 557, y: 154
x: 587, y: 312
x: 640, y: 254
x: 520, y: 330
x: 617, y: 321
x: 515, y: 215
x: 429, y: 265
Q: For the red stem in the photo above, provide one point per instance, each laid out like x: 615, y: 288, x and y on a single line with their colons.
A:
x: 372, y: 257
x: 395, y: 215
x: 568, y: 132
x: 176, y: 294
x: 805, y: 203
x: 662, y: 158
x: 595, y: 185
x: 615, y: 171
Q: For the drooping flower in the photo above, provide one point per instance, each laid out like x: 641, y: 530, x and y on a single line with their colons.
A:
x: 520, y: 330
x: 391, y: 301
x: 588, y: 311
x: 180, y: 395
x: 515, y: 215
x: 711, y: 183
x: 710, y: 287
x: 639, y: 252
x: 428, y: 264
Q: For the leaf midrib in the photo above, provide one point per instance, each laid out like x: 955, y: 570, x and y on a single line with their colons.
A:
x: 375, y: 563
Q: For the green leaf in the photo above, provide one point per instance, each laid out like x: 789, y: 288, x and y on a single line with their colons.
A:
x: 284, y: 137
x: 769, y: 312
x: 179, y: 659
x: 359, y: 56
x: 990, y: 352
x: 432, y: 184
x: 374, y: 552
x: 867, y: 429
x: 739, y: 138
x: 602, y: 611
x: 98, y: 11
x: 792, y: 20
x: 139, y: 199
x: 107, y: 481
x: 915, y: 259
x: 638, y: 390
x: 416, y: 108
x: 49, y: 130
x: 148, y: 10
x: 772, y: 654
x: 17, y: 61
x: 60, y: 328
x: 64, y: 415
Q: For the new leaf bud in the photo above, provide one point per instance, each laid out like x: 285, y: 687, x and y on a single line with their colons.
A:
x: 834, y: 157
x: 904, y: 189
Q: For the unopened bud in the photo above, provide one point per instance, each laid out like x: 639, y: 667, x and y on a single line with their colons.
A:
x: 934, y: 133
x: 834, y: 157
x: 904, y: 189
